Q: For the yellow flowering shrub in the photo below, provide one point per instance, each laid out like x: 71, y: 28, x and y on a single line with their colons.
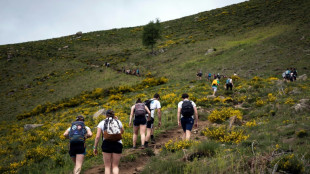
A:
x: 116, y: 97
x: 289, y: 101
x: 271, y: 98
x: 289, y: 163
x: 260, y: 103
x: 175, y: 145
x: 222, y: 135
x: 251, y: 123
x: 218, y: 116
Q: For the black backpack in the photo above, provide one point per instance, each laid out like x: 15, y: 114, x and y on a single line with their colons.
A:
x: 187, y: 109
x: 148, y: 103
x: 77, y: 132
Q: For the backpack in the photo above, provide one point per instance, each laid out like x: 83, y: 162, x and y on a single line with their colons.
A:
x: 140, y: 110
x: 77, y: 132
x: 187, y: 109
x: 112, y: 130
x: 214, y: 82
x: 287, y: 72
x: 228, y: 81
x: 148, y: 103
x: 209, y: 75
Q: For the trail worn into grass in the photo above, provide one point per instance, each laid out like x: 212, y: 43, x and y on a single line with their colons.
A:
x: 140, y: 157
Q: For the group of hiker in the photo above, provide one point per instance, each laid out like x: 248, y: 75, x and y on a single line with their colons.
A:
x: 290, y: 74
x: 131, y: 71
x: 110, y: 129
x: 216, y: 80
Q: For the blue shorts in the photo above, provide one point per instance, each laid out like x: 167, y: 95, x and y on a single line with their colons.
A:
x: 187, y: 123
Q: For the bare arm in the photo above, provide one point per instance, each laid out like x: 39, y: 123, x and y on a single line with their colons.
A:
x: 98, y: 135
x: 179, y: 115
x: 66, y: 134
x: 159, y: 116
x: 131, y: 114
x: 89, y: 133
x: 196, y: 116
x: 148, y: 112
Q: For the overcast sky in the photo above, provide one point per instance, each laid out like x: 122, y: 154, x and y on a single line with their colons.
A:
x: 30, y: 20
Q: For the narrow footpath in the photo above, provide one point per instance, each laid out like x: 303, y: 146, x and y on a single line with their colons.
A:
x: 137, y: 165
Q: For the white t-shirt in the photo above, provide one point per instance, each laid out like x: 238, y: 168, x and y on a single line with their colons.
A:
x: 180, y: 105
x: 101, y: 126
x: 86, y: 127
x: 155, y: 104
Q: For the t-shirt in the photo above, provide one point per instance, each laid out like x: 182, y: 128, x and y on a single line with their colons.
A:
x: 86, y: 127
x: 101, y: 126
x: 180, y: 105
x: 155, y: 104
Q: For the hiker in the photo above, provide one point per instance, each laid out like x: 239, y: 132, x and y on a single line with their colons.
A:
x: 215, y: 83
x: 77, y: 134
x: 209, y: 77
x: 139, y: 111
x: 187, y: 115
x: 138, y: 72
x: 199, y: 74
x: 111, y: 130
x: 229, y: 83
x: 152, y: 104
x: 294, y: 74
x: 287, y: 74
x: 218, y: 76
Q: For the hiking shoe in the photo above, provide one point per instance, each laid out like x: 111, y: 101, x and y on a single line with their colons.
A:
x: 153, y: 141
x: 134, y: 147
x: 146, y: 144
x: 143, y: 146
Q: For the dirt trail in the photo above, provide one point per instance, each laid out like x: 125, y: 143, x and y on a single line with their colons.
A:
x: 137, y: 165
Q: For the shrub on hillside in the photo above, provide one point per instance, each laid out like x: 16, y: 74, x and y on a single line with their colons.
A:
x: 222, y: 135
x: 219, y: 116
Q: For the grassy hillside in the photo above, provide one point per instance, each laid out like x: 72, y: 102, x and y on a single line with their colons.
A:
x: 53, y: 80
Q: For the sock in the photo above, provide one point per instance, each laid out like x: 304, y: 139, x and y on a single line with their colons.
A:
x: 146, y: 142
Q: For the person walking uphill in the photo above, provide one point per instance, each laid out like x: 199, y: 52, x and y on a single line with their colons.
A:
x: 77, y: 134
x: 214, y: 85
x: 152, y: 104
x: 139, y: 111
x: 112, y: 130
x: 229, y: 83
x: 187, y: 115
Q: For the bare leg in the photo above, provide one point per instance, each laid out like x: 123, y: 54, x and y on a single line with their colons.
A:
x: 148, y: 134
x: 107, y: 159
x: 142, y: 133
x: 78, y: 163
x: 187, y: 135
x: 115, y: 161
x: 135, y: 135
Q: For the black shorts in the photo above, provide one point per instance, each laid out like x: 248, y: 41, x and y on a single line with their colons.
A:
x: 139, y: 121
x: 112, y: 147
x: 150, y: 123
x: 77, y: 148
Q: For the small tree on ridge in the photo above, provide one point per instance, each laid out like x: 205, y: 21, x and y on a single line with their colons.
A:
x: 151, y: 33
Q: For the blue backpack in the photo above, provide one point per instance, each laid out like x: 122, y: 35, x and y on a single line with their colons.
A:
x: 77, y: 132
x: 228, y: 81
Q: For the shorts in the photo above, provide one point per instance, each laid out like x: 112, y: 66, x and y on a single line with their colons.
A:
x: 150, y: 123
x: 199, y: 74
x: 139, y: 121
x: 112, y: 147
x: 187, y: 123
x: 77, y: 148
x: 214, y: 88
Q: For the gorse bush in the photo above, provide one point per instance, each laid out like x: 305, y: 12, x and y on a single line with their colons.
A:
x: 222, y: 135
x: 289, y: 163
x: 221, y: 115
x: 175, y: 145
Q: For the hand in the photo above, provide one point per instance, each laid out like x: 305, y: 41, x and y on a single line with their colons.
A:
x: 95, y: 152
x: 129, y: 123
x: 159, y: 123
x: 179, y: 123
x: 196, y: 125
